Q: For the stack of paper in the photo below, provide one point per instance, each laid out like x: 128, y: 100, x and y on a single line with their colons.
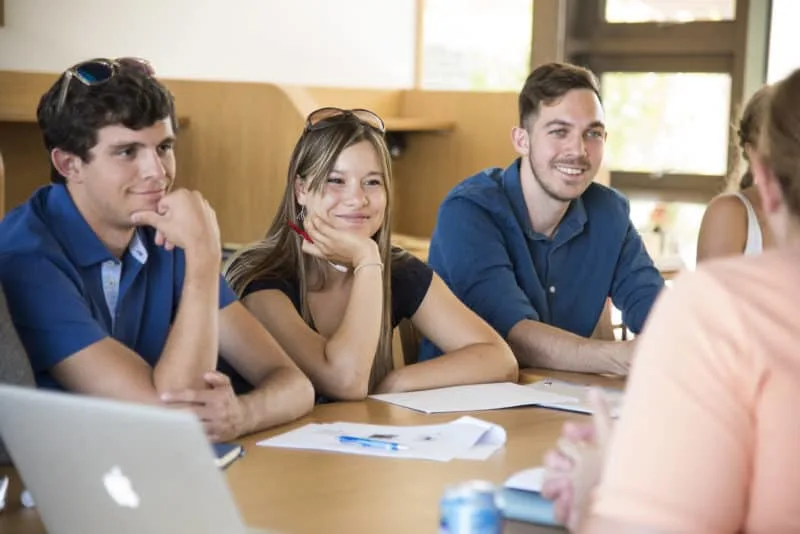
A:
x: 464, y: 438
x: 473, y: 398
x: 577, y: 396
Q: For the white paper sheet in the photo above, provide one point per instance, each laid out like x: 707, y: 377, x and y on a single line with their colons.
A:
x: 472, y: 398
x: 466, y: 438
x: 492, y: 440
x: 577, y: 392
x: 527, y: 480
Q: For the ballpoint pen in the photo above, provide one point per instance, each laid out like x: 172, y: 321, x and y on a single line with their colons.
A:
x: 373, y: 443
x: 302, y: 233
x: 299, y: 231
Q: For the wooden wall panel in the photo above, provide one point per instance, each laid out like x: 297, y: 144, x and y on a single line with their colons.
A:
x: 236, y: 146
x: 435, y: 162
x: 235, y: 150
x: 20, y: 93
x: 26, y: 161
x: 385, y: 103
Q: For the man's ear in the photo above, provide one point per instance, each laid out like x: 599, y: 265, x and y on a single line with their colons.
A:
x: 520, y: 140
x: 300, y: 190
x: 67, y: 164
x: 767, y: 183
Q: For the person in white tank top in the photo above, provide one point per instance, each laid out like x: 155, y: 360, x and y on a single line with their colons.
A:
x: 733, y: 223
x: 755, y: 239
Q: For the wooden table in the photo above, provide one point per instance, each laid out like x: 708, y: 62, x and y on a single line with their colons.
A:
x: 295, y: 491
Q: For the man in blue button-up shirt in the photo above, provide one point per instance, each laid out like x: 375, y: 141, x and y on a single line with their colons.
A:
x: 536, y: 248
x: 113, y: 280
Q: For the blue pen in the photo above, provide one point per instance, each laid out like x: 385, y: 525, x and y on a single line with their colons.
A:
x: 372, y: 443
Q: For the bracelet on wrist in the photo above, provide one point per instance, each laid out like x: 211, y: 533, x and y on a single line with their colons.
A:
x: 368, y: 264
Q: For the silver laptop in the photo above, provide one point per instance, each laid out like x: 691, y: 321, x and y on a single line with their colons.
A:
x: 96, y: 465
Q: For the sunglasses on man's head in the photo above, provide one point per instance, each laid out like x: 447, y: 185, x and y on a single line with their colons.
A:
x: 325, y: 117
x: 98, y: 72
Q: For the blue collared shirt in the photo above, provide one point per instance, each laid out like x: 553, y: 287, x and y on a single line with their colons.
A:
x: 487, y: 252
x: 66, y: 291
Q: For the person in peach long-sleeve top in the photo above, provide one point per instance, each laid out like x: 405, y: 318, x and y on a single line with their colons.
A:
x: 708, y: 438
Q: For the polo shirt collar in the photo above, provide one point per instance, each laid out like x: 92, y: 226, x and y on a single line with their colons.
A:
x: 77, y: 237
x: 571, y: 225
x: 137, y: 248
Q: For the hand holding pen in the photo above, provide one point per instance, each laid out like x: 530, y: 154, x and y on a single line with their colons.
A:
x: 307, y: 238
x: 338, y: 247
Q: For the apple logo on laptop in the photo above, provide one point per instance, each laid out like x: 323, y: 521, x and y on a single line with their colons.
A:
x: 120, y: 489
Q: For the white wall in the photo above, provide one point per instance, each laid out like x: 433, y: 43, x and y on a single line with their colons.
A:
x: 303, y: 42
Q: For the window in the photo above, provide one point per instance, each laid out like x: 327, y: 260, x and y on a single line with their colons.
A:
x: 668, y: 229
x: 672, y: 82
x: 663, y: 123
x: 476, y: 45
x: 669, y: 232
x: 672, y: 75
x: 669, y: 10
x: 783, y: 57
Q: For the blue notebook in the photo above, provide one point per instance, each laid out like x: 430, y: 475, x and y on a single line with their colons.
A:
x: 226, y: 453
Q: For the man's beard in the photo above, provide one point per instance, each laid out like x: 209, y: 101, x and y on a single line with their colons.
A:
x: 546, y: 188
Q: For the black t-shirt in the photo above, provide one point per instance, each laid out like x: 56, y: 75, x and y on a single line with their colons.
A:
x: 411, y: 279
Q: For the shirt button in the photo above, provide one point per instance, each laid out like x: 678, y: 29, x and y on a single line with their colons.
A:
x: 552, y: 289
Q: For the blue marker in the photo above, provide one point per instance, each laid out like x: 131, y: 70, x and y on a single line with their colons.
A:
x: 372, y: 443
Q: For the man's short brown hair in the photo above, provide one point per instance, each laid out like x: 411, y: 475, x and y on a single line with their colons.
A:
x: 551, y: 81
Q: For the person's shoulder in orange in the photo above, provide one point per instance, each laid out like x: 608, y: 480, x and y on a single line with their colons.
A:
x: 757, y: 282
x: 706, y: 408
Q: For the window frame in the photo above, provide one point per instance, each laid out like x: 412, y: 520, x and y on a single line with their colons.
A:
x: 576, y: 31
x: 667, y: 47
x: 419, y: 45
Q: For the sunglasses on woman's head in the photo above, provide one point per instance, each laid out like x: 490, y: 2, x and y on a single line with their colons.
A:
x: 324, y: 117
x: 99, y: 71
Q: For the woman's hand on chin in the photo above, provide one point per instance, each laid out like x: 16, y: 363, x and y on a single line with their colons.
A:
x: 338, y: 246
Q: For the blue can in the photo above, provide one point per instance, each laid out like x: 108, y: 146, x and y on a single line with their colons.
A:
x: 472, y: 507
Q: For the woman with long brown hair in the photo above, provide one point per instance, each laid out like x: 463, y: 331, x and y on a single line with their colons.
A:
x: 327, y: 283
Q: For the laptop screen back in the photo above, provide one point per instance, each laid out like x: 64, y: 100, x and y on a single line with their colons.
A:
x: 96, y: 465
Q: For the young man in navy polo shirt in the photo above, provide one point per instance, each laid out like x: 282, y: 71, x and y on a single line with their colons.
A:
x: 112, y: 277
x: 536, y: 248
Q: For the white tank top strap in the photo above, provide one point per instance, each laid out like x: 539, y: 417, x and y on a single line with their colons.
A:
x: 754, y: 244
